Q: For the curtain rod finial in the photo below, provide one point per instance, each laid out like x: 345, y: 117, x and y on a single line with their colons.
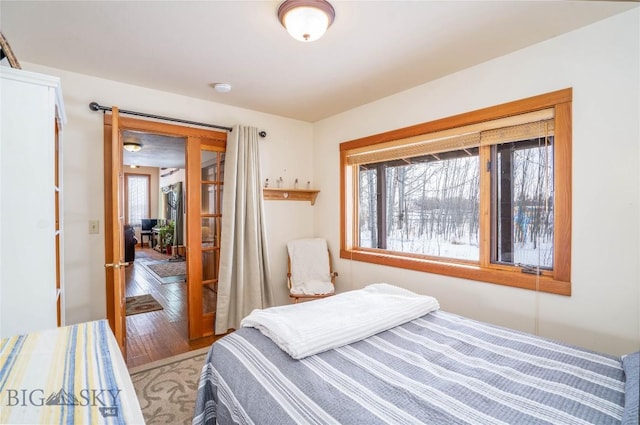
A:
x: 94, y: 106
x: 262, y: 134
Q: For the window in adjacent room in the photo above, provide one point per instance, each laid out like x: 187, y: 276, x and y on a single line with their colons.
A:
x: 484, y: 195
x: 137, y: 197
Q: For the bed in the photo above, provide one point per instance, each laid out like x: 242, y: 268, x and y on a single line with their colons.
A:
x: 69, y: 375
x: 437, y: 368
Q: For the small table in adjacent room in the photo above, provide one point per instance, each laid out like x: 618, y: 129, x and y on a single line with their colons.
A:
x: 146, y: 229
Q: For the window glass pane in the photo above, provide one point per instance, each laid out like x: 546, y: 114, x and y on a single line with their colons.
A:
x: 367, y: 219
x: 171, y: 201
x: 427, y: 205
x: 137, y: 198
x: 524, y: 205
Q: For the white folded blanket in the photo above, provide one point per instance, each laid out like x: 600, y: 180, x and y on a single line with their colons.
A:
x: 312, y: 327
x: 313, y: 287
x: 310, y: 268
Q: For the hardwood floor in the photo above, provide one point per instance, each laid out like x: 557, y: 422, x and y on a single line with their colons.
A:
x: 158, y: 334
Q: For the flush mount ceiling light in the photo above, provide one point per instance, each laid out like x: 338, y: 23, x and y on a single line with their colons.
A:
x: 306, y: 20
x: 221, y: 87
x: 132, y: 144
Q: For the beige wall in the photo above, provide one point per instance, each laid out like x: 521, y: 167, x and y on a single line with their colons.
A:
x: 602, y: 64
x: 286, y: 152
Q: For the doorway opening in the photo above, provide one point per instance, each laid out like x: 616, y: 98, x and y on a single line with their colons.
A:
x: 181, y: 216
x: 155, y: 176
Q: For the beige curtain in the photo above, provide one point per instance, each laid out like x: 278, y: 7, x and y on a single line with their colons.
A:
x: 244, y: 279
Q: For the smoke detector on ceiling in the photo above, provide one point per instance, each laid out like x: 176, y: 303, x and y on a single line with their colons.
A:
x: 221, y: 87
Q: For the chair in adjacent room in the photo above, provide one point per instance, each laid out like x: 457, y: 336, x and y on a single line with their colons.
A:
x: 310, y: 273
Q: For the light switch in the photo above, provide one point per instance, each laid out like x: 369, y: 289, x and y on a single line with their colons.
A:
x: 94, y: 227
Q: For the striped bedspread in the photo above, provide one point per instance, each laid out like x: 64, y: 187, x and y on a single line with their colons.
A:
x: 70, y: 375
x: 438, y: 369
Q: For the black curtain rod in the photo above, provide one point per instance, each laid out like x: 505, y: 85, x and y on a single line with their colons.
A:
x: 94, y: 106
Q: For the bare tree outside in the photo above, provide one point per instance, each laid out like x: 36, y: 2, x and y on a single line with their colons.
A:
x: 432, y: 205
x: 429, y: 205
x: 530, y: 206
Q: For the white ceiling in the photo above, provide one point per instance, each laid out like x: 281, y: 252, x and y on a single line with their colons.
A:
x: 157, y: 150
x: 373, y: 49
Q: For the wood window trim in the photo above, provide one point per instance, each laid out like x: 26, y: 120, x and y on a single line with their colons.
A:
x: 558, y: 281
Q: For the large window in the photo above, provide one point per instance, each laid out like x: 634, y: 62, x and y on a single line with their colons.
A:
x: 483, y: 195
x: 137, y: 197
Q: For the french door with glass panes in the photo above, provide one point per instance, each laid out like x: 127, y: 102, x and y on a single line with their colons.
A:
x: 202, y: 258
x: 205, y: 166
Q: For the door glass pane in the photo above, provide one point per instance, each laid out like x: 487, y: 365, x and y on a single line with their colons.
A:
x: 210, y: 203
x: 209, y: 265
x: 212, y: 164
x: 221, y: 167
x: 209, y: 166
x: 208, y: 298
x: 209, y: 232
x: 209, y: 280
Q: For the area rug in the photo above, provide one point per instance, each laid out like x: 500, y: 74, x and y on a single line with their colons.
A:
x: 142, y: 304
x: 141, y: 255
x: 167, y: 389
x: 167, y: 271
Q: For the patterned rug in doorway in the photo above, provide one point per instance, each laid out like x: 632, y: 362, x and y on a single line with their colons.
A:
x: 141, y: 304
x: 167, y: 388
x: 167, y: 271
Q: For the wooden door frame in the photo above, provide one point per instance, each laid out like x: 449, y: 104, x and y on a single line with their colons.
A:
x: 114, y: 246
x: 204, y: 326
x: 194, y: 318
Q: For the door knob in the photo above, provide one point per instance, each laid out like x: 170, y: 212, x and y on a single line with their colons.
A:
x: 115, y: 265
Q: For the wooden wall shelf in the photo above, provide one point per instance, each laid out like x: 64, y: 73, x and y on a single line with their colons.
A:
x: 273, y: 194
